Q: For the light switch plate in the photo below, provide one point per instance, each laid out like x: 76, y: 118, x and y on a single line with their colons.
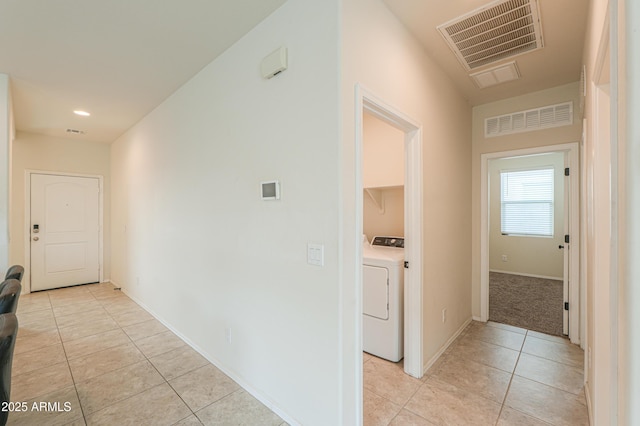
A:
x: 315, y: 254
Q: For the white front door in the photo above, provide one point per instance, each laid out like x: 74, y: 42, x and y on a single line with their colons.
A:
x: 64, y: 230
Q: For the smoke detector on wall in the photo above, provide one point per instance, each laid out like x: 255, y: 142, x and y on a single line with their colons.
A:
x: 499, y: 30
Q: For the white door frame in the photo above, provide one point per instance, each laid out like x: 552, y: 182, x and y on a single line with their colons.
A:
x: 575, y: 286
x: 413, y: 306
x: 603, y: 350
x: 26, y: 280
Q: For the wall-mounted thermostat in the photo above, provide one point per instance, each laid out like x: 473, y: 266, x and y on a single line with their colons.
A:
x: 270, y: 190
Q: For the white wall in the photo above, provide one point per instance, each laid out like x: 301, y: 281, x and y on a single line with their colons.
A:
x: 382, y: 169
x: 382, y: 154
x: 6, y: 135
x: 535, y: 256
x: 46, y: 153
x: 193, y: 242
x: 382, y: 56
x: 482, y: 145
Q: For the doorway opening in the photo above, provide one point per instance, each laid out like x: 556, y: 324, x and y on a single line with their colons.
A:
x: 551, y: 256
x: 370, y: 105
x: 527, y: 286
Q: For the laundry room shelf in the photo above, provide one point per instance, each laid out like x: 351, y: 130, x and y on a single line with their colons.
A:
x: 377, y: 195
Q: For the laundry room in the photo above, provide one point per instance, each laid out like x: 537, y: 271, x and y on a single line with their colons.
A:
x: 383, y: 178
x: 383, y: 239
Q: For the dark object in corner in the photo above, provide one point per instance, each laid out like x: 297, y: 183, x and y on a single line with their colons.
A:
x: 15, y: 272
x: 9, y: 295
x: 8, y: 332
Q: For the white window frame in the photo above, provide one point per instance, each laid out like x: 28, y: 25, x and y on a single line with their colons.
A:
x: 524, y: 232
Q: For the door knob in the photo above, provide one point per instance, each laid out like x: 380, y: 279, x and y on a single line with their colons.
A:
x: 560, y: 246
x: 36, y: 238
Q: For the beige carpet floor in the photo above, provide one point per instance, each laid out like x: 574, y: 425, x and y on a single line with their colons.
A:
x: 527, y: 302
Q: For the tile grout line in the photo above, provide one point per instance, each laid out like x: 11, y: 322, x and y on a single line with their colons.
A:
x: 167, y: 381
x: 526, y: 336
x: 513, y: 373
x: 75, y: 384
x: 136, y: 346
x: 169, y: 384
x: 66, y: 357
x: 74, y: 381
x: 64, y: 349
x: 148, y: 359
x: 403, y: 406
x: 560, y: 363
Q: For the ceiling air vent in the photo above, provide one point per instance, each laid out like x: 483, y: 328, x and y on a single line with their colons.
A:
x: 496, y: 75
x: 533, y: 119
x: 502, y: 29
x: 76, y: 131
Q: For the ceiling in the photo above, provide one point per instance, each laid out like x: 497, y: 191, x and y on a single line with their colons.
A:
x: 558, y: 62
x: 119, y: 59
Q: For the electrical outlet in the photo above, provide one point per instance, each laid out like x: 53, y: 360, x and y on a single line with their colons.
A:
x: 505, y: 258
x: 444, y: 315
x: 228, y: 334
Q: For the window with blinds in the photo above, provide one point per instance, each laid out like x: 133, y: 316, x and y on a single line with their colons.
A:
x: 526, y: 198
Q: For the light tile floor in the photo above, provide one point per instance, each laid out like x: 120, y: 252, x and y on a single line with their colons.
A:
x: 493, y: 374
x: 98, y: 358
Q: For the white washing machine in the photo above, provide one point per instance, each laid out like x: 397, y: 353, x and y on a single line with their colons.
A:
x: 383, y: 297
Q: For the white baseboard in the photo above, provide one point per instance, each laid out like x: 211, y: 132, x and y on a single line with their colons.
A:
x: 475, y: 318
x: 526, y: 275
x: 434, y: 358
x: 587, y: 395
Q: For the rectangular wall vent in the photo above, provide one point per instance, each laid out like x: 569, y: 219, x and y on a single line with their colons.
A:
x: 526, y: 121
x: 500, y: 30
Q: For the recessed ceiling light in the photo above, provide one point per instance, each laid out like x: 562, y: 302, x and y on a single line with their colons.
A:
x: 82, y: 113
